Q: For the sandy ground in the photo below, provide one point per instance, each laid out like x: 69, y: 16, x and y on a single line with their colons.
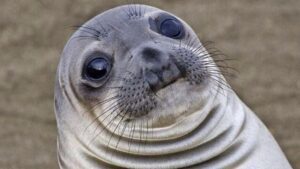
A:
x: 263, y: 36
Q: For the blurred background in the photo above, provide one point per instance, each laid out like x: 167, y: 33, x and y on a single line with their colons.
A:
x: 263, y: 36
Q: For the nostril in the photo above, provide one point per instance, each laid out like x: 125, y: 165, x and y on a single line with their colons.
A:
x: 152, y: 79
x: 167, y: 76
x: 166, y: 66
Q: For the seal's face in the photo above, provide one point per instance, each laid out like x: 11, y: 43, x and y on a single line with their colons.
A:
x: 137, y: 89
x: 138, y: 71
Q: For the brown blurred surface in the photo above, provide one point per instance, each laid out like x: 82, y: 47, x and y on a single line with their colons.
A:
x: 263, y: 36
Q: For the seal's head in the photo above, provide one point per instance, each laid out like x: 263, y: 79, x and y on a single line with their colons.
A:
x: 131, y: 74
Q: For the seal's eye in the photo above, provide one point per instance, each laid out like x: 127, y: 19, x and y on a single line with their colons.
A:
x: 171, y: 28
x: 97, y: 69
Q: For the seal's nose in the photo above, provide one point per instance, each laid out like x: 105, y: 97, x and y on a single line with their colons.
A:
x: 159, y: 69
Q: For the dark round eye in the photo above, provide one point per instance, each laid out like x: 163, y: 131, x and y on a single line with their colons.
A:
x: 171, y: 28
x: 97, y: 69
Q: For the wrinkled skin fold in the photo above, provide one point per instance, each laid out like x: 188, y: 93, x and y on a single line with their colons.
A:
x: 163, y: 104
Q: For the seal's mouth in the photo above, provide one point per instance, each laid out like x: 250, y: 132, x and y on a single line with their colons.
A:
x: 180, y: 108
x: 162, y: 108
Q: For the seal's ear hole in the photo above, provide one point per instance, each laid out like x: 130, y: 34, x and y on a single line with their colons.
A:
x: 167, y: 25
x: 96, y: 70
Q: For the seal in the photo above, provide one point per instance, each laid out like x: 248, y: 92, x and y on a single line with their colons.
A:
x: 136, y: 88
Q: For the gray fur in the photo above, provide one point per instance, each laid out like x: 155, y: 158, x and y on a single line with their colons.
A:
x: 190, y: 118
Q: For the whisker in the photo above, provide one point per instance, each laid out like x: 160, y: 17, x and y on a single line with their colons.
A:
x: 121, y: 111
x: 109, y: 123
x: 113, y: 106
x: 84, y: 38
x: 85, y: 28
